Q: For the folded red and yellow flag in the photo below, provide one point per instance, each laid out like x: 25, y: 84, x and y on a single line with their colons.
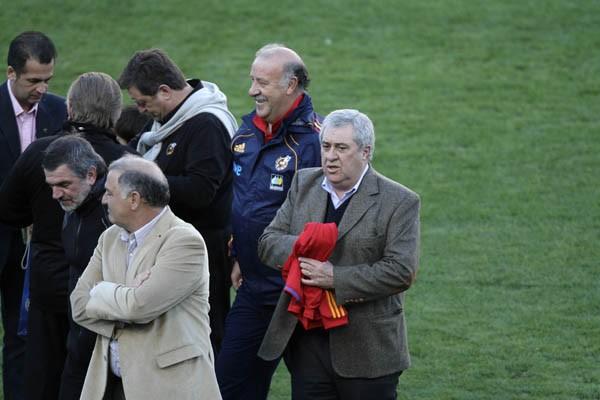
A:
x: 315, y: 307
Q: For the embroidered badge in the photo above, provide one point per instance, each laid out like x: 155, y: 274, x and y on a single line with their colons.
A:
x: 171, y: 148
x: 239, y: 148
x: 282, y: 162
x: 276, y: 182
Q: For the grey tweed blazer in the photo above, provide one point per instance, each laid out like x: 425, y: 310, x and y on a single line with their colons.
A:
x: 375, y: 261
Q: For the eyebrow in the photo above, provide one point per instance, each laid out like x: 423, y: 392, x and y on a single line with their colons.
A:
x: 59, y: 183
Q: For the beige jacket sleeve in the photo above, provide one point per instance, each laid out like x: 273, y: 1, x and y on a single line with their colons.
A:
x: 176, y: 273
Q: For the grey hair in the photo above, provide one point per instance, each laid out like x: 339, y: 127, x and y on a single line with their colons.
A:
x: 291, y: 69
x: 142, y: 176
x: 76, y: 153
x: 362, y: 127
x: 95, y: 98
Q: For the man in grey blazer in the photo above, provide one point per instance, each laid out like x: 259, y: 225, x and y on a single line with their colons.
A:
x: 374, y: 262
x: 145, y: 293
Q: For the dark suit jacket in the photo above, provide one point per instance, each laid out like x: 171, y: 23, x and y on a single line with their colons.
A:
x: 375, y: 260
x: 51, y: 114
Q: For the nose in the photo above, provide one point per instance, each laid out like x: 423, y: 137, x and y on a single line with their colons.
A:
x: 56, y: 193
x: 42, y: 87
x: 141, y: 109
x: 330, y: 154
x: 104, y: 198
x: 253, y: 91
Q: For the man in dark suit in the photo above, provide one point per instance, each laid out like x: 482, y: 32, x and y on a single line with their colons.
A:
x: 27, y: 112
x: 189, y: 140
x: 373, y: 263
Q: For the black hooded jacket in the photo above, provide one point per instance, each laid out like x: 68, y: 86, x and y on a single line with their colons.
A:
x: 81, y: 230
x: 26, y: 199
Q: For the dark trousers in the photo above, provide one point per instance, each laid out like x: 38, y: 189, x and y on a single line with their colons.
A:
x: 80, y: 345
x: 309, y: 360
x: 240, y: 372
x: 45, y: 352
x: 13, y: 346
x: 219, y: 267
x: 114, y: 387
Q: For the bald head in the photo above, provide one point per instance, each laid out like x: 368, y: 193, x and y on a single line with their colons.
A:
x: 288, y: 60
x: 276, y: 49
x: 136, y: 174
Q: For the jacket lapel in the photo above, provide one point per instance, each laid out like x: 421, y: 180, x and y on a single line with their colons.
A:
x: 43, y: 122
x: 361, y: 201
x: 149, y: 246
x: 8, y: 123
x: 317, y: 203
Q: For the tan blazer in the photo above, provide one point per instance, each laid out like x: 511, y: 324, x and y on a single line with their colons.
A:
x: 375, y: 261
x: 164, y: 345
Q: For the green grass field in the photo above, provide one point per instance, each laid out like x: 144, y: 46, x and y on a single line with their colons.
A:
x: 490, y: 110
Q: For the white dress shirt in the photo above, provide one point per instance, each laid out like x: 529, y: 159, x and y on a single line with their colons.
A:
x: 335, y: 199
x: 133, y: 240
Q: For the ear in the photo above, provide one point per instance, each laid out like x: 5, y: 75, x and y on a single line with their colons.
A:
x: 135, y: 200
x: 92, y: 175
x: 164, y: 91
x: 11, y: 73
x: 292, y: 85
x: 366, y: 152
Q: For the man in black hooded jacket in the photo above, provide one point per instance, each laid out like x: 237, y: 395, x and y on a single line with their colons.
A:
x: 76, y: 176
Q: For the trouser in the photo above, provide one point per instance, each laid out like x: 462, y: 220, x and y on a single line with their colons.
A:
x: 114, y: 387
x: 219, y: 267
x: 309, y: 360
x: 45, y: 353
x: 80, y: 345
x: 13, y: 346
x: 240, y: 372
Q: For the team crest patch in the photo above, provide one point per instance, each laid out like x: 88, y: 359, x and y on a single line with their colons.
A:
x: 171, y: 148
x: 276, y: 182
x: 282, y: 162
x: 239, y: 148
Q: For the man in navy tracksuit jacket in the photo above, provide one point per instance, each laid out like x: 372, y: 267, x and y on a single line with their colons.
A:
x: 274, y: 141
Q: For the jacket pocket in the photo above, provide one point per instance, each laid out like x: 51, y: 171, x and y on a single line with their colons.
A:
x: 178, y: 355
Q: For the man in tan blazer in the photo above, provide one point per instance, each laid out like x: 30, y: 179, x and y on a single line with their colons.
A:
x: 374, y: 262
x: 145, y: 293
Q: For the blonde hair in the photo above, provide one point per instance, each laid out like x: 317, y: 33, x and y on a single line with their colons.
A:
x: 95, y: 98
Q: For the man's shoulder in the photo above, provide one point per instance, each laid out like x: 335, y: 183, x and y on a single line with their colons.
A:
x: 308, y: 176
x: 53, y: 102
x: 171, y: 224
x: 395, y: 190
x: 205, y: 121
x: 111, y: 233
x: 36, y: 148
x: 306, y: 120
x: 5, y: 102
x: 4, y: 89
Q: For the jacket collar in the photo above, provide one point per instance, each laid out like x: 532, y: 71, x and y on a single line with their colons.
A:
x: 8, y: 125
x: 361, y: 202
x: 300, y: 120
